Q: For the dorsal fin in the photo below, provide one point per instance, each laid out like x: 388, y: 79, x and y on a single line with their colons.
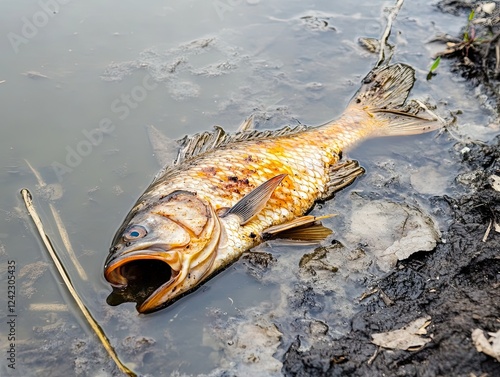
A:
x: 192, y: 146
x: 164, y: 149
x: 195, y: 145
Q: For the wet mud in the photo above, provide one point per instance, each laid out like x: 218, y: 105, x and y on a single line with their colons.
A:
x: 457, y: 285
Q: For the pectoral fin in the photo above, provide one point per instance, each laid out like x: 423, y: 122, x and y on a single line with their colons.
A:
x: 255, y: 201
x: 305, y: 228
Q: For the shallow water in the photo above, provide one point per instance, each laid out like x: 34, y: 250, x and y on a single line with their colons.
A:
x: 185, y: 66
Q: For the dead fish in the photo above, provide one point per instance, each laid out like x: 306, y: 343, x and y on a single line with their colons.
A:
x: 225, y: 194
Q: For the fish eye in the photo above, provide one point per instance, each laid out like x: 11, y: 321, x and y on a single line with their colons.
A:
x: 135, y: 232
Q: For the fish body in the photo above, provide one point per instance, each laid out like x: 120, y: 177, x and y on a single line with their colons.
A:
x: 225, y: 193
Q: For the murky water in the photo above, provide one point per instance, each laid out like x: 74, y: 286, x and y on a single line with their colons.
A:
x: 82, y: 82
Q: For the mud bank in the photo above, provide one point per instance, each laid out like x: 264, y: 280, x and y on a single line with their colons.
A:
x: 456, y: 285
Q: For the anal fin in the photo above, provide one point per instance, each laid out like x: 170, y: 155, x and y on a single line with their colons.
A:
x: 342, y: 175
x: 304, y: 228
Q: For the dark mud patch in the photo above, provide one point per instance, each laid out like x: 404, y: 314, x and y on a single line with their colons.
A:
x: 457, y: 285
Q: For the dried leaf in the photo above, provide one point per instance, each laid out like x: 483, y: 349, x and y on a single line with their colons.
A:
x: 407, y: 338
x: 491, y: 346
x: 488, y: 8
x: 495, y: 182
x: 406, y: 230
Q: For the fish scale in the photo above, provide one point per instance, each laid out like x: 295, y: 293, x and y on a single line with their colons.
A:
x: 305, y: 183
x: 230, y: 192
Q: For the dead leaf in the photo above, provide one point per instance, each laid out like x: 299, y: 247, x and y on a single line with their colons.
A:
x: 495, y: 182
x: 491, y: 346
x: 488, y: 8
x: 397, y: 230
x: 407, y: 338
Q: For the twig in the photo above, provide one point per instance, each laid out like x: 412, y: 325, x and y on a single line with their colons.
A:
x: 497, y: 54
x: 28, y: 201
x: 61, y: 228
x: 387, y: 32
x: 487, y: 233
x: 387, y: 300
x: 368, y: 294
x: 374, y: 356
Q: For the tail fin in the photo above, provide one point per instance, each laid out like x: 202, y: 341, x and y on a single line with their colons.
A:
x: 383, y: 96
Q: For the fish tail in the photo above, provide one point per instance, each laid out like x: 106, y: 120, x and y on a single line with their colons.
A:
x: 382, y: 97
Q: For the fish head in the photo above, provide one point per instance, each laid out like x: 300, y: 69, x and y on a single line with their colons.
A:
x: 162, y: 250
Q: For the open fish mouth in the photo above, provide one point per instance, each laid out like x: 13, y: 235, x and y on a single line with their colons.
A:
x: 139, y: 276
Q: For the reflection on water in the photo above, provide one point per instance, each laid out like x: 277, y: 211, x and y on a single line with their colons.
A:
x: 79, y: 88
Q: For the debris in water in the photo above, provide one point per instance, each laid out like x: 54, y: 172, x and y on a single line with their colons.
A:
x: 47, y: 307
x: 318, y: 22
x: 370, y: 44
x: 29, y: 275
x: 393, y: 231
x: 252, y: 344
x: 35, y: 75
x: 51, y: 192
